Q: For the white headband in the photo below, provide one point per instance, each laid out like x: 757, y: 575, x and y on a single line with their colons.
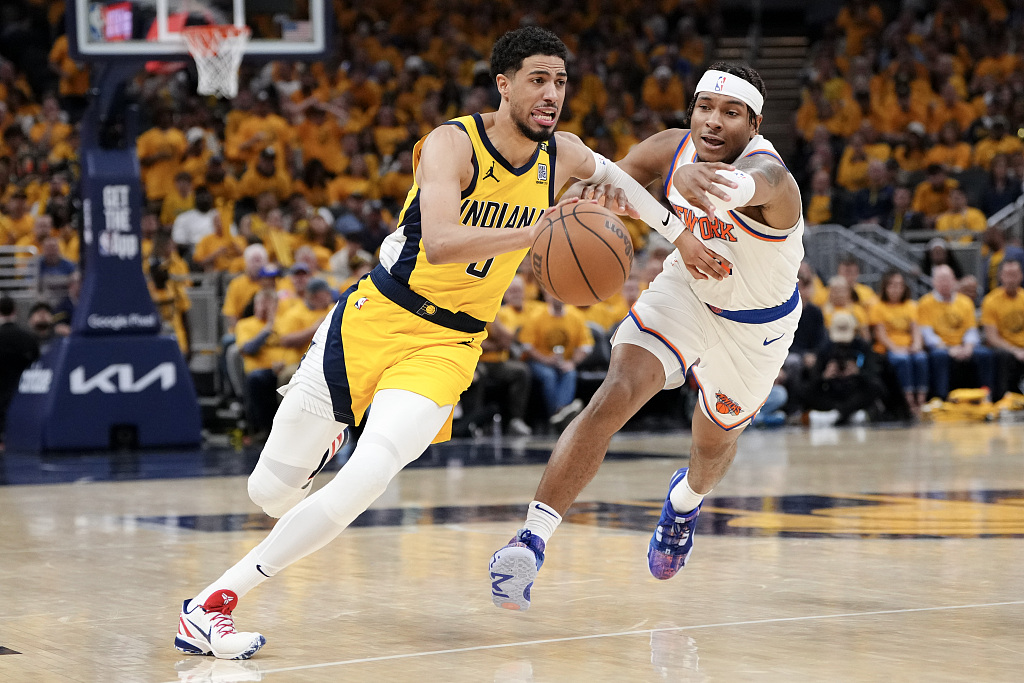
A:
x: 729, y: 84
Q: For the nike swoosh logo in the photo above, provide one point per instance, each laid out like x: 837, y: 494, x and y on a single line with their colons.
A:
x: 665, y: 222
x: 769, y: 341
x: 205, y: 633
x: 544, y: 511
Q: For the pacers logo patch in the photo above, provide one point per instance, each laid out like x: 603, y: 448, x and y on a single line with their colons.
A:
x: 427, y: 309
x: 725, y: 405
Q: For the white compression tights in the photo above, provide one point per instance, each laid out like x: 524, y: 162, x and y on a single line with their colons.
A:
x: 399, y: 428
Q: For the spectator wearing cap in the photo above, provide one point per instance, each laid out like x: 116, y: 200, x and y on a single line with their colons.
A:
x: 197, y: 155
x: 962, y: 222
x: 998, y: 141
x: 242, y: 288
x: 179, y: 200
x: 265, y: 176
x: 297, y: 325
x: 261, y: 130
x: 18, y: 222
x: 19, y: 348
x: 931, y: 196
x: 291, y: 290
x: 160, y: 149
x: 839, y: 299
x: 1002, y: 316
x: 949, y: 330
x: 938, y: 253
x: 911, y: 153
x: 191, y: 226
x: 220, y: 251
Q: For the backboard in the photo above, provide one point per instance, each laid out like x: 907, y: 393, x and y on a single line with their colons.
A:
x: 101, y: 30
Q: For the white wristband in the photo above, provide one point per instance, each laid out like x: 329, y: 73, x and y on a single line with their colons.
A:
x: 650, y: 209
x: 738, y: 196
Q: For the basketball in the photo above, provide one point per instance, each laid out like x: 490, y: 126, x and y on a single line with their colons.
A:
x: 582, y: 254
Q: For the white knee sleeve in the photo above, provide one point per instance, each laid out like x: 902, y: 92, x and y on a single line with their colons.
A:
x: 294, y: 449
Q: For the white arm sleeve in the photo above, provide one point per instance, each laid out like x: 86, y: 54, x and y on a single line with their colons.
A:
x: 651, y: 211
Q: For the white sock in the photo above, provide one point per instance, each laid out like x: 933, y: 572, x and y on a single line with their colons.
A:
x: 241, y: 579
x: 542, y: 520
x: 683, y: 498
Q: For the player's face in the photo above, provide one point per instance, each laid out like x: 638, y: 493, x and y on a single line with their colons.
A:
x: 720, y: 127
x: 535, y: 95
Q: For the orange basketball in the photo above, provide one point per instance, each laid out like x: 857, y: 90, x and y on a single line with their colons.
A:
x: 582, y: 254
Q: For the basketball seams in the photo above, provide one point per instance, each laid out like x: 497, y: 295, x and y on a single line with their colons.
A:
x: 625, y: 273
x: 572, y: 250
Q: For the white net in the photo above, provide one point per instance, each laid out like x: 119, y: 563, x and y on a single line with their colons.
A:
x: 218, y: 52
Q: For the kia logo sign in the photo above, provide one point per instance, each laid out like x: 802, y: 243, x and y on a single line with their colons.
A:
x: 120, y: 379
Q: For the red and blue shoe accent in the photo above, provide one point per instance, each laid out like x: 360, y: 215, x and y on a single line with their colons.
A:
x: 672, y: 539
x: 513, y: 570
x: 208, y: 629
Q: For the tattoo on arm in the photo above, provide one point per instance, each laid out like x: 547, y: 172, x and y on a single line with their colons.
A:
x: 772, y: 171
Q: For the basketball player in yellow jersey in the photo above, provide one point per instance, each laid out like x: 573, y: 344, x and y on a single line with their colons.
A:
x: 407, y: 337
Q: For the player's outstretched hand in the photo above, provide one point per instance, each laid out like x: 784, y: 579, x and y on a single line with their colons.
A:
x: 701, y: 262
x: 696, y: 181
x: 608, y: 196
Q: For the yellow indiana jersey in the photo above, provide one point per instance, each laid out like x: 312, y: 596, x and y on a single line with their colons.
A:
x: 499, y: 196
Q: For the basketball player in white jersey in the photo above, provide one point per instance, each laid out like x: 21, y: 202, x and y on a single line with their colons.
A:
x: 407, y: 338
x: 724, y: 309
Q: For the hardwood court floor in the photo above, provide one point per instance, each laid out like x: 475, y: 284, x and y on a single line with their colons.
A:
x: 838, y: 555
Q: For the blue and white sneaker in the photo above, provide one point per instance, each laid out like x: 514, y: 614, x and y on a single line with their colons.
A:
x: 513, y: 569
x: 208, y: 629
x: 672, y: 539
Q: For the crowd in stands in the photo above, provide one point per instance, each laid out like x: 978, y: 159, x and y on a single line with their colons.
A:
x: 283, y: 196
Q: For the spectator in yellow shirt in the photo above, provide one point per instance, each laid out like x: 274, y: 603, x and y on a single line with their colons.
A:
x: 197, y: 156
x: 262, y: 360
x: 265, y: 176
x: 50, y: 129
x: 897, y: 334
x: 839, y: 298
x: 261, y: 130
x: 663, y: 93
x: 951, y: 151
x: 356, y: 179
x: 951, y: 108
x: 299, y: 323
x: 395, y: 184
x: 74, y: 77
x: 19, y: 221
x: 949, y: 330
x: 931, y: 196
x: 241, y: 289
x: 319, y: 137
x: 220, y: 251
x: 556, y: 339
x: 998, y: 141
x: 1002, y: 315
x: 961, y: 219
x: 849, y: 269
x: 180, y: 200
x: 160, y: 149
x: 169, y: 294
x: 910, y: 155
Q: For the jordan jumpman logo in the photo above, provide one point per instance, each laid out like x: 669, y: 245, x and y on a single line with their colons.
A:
x: 490, y: 174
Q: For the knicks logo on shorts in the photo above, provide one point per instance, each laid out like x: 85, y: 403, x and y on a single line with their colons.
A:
x: 725, y: 405
x: 362, y: 300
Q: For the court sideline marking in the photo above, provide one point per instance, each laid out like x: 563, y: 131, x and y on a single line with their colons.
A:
x: 545, y: 641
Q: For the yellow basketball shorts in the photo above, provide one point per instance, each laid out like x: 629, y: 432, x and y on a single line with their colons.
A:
x: 369, y: 343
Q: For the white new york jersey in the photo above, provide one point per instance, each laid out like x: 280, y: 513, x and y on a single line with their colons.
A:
x: 764, y: 259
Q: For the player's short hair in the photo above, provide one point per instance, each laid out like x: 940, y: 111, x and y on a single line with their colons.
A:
x: 512, y: 48
x: 746, y: 73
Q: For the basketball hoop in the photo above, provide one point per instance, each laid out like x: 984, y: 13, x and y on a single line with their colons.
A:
x: 218, y: 53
